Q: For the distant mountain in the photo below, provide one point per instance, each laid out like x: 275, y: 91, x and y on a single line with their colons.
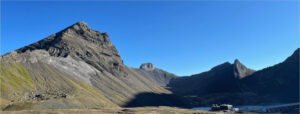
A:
x: 75, y: 68
x: 158, y: 76
x: 239, y: 85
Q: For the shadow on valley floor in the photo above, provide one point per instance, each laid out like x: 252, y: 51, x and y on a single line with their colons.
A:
x: 154, y: 99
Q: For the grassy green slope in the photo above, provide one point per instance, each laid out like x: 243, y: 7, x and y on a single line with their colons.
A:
x: 41, y: 86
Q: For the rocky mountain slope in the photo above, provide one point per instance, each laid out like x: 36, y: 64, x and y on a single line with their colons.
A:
x: 278, y: 83
x: 158, y: 76
x: 222, y: 78
x: 206, y: 88
x: 239, y: 85
x: 75, y: 68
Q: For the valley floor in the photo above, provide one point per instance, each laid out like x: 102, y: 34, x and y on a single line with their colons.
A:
x: 141, y: 110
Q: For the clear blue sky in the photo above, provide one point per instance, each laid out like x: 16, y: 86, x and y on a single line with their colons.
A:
x: 180, y: 37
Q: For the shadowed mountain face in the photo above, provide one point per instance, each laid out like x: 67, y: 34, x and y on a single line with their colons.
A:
x: 239, y: 85
x: 222, y: 78
x: 75, y: 68
x: 278, y: 83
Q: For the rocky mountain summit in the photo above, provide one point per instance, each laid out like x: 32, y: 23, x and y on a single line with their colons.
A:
x: 147, y: 66
x: 82, y: 43
x: 241, y: 70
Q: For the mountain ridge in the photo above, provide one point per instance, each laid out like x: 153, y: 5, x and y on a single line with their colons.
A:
x: 79, y: 67
x: 223, y: 84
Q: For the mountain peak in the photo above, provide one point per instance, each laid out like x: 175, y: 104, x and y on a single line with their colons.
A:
x: 81, y: 23
x: 74, y: 36
x: 147, y: 66
x: 78, y: 25
x: 241, y: 70
x: 81, y: 43
x: 236, y: 61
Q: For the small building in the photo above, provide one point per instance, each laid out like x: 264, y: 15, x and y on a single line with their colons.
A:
x: 223, y: 107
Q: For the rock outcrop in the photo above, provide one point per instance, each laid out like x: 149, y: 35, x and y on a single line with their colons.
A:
x: 240, y: 70
x: 158, y: 76
x: 147, y: 66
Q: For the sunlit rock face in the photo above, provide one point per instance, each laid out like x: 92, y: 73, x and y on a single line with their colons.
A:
x: 240, y: 70
x: 82, y: 43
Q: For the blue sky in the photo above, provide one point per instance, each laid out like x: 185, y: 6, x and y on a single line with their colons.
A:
x: 180, y: 37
